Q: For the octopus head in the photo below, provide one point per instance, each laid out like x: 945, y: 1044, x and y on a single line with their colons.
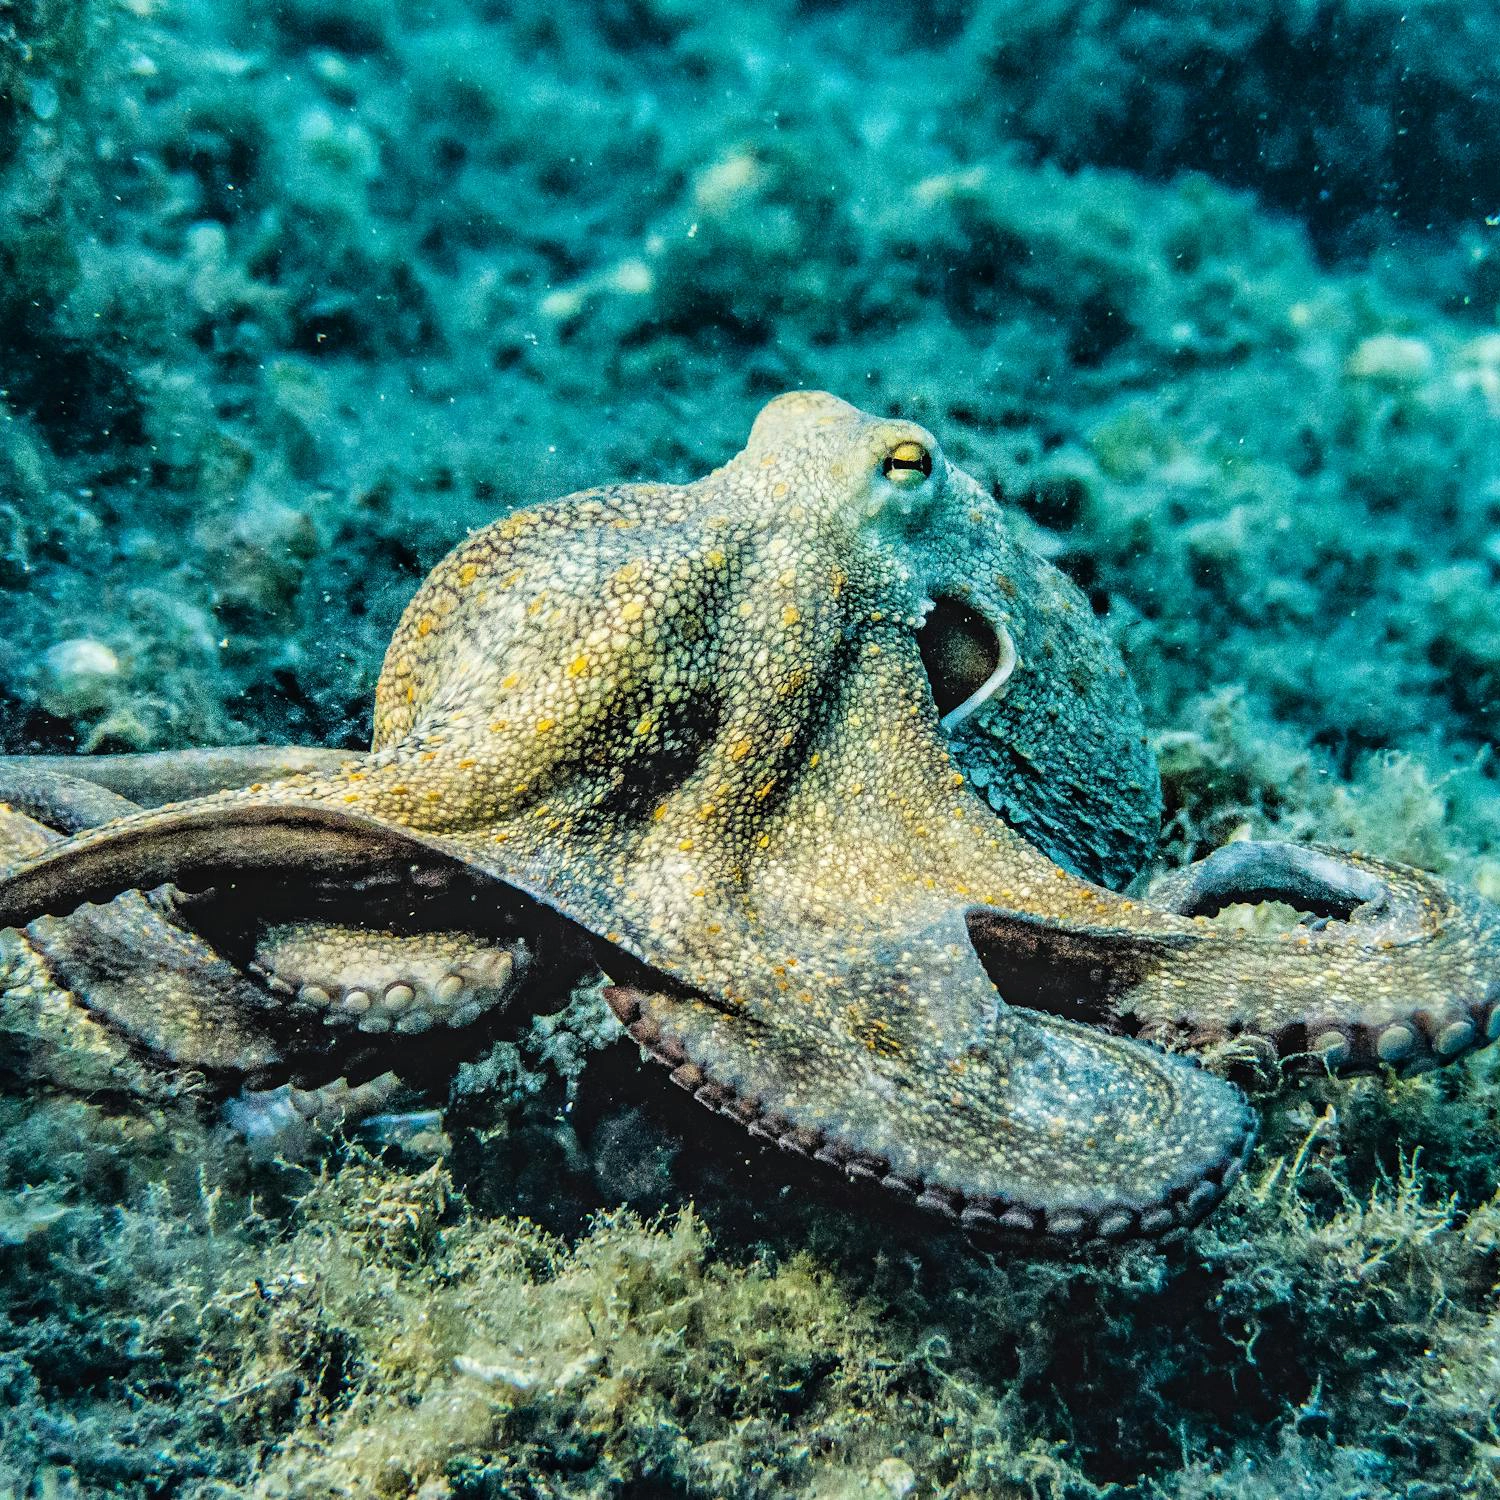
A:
x: 1038, y: 708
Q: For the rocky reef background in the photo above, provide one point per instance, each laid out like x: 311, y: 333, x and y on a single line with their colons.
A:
x: 293, y: 293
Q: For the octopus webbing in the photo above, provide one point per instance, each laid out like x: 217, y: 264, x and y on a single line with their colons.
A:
x: 834, y: 779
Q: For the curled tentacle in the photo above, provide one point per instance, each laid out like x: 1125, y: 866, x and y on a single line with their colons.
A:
x: 376, y: 980
x: 1392, y: 967
x: 1415, y: 974
x: 1322, y: 882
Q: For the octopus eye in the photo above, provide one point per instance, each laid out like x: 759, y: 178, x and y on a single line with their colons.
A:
x: 968, y: 660
x: 907, y: 463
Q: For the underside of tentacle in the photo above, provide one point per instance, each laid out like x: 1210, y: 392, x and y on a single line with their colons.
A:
x: 1090, y: 1138
x: 376, y: 979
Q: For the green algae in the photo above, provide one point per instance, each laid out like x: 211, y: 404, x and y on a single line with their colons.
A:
x: 291, y: 296
x: 358, y: 1328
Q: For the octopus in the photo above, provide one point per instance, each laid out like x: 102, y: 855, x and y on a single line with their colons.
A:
x: 839, y: 784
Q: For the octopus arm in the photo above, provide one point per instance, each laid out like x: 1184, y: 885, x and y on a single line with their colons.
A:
x: 1382, y: 965
x: 207, y: 982
x: 152, y: 778
x: 1046, y: 1133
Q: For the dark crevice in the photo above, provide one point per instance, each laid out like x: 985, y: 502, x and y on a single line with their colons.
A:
x: 960, y: 651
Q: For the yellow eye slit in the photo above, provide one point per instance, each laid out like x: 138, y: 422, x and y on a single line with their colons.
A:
x: 907, y: 463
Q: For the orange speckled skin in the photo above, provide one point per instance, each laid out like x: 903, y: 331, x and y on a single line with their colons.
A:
x: 695, y: 720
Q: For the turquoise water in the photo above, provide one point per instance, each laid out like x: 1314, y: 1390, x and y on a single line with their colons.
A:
x: 292, y: 296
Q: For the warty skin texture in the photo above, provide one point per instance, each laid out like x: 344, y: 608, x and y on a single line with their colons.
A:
x: 694, y: 723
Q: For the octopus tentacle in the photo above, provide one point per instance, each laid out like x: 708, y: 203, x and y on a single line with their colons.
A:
x: 133, y: 962
x: 377, y: 980
x: 49, y: 1036
x: 58, y: 800
x: 271, y: 1120
x: 1324, y: 882
x: 1395, y: 967
x: 1052, y: 1133
x: 49, y: 1039
x: 196, y: 845
x: 126, y: 970
x: 155, y: 777
x: 1419, y: 983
